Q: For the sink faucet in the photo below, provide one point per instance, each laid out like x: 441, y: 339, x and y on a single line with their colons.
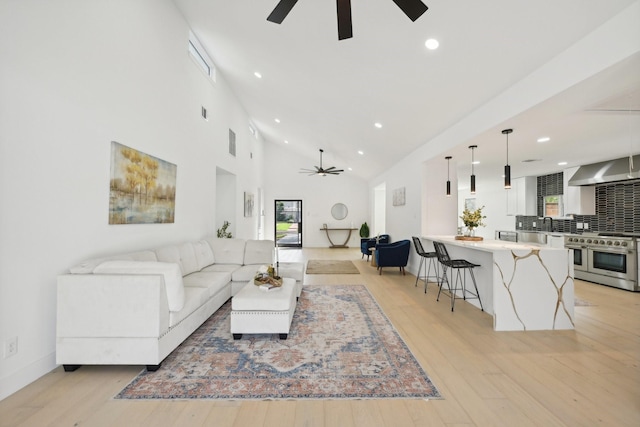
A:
x: 544, y: 221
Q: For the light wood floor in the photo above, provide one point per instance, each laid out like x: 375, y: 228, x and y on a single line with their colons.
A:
x: 590, y: 376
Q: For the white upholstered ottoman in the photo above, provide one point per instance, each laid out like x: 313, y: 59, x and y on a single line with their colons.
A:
x: 255, y: 311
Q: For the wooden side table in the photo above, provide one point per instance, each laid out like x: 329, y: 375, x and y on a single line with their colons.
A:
x: 343, y: 245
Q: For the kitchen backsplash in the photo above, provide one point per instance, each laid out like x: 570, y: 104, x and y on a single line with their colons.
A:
x: 617, y: 209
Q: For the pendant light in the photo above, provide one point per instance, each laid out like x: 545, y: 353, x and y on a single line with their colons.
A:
x: 448, y: 180
x: 507, y: 168
x: 473, y: 176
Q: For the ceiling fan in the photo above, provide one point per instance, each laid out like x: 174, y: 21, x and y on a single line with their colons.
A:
x: 412, y: 8
x: 319, y: 170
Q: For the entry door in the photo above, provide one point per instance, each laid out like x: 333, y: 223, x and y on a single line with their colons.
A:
x: 288, y: 223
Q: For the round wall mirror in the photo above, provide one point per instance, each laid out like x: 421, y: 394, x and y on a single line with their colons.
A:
x: 339, y: 211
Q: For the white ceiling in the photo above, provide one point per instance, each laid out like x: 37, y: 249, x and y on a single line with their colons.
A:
x: 328, y: 93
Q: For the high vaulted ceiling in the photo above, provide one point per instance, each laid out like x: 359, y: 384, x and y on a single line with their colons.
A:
x: 328, y: 93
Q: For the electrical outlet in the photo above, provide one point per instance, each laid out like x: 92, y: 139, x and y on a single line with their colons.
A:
x: 10, y: 347
x: 534, y: 223
x: 579, y: 225
x: 586, y: 225
x: 520, y: 224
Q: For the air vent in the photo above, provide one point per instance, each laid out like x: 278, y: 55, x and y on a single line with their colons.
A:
x: 203, y: 111
x: 232, y: 143
x: 531, y: 160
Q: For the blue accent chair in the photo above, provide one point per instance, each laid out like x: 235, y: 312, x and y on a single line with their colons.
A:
x: 393, y: 255
x: 370, y: 242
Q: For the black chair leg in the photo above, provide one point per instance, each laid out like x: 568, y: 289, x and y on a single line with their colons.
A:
x: 419, y: 268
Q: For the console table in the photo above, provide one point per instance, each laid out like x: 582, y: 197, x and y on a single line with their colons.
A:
x: 344, y: 245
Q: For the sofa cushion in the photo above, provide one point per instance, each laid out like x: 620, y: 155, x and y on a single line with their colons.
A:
x: 87, y: 266
x: 227, y: 251
x: 194, y: 298
x: 170, y: 254
x: 212, y: 281
x: 245, y: 273
x: 171, y: 272
x: 188, y: 259
x: 222, y: 268
x: 258, y: 252
x: 204, y: 254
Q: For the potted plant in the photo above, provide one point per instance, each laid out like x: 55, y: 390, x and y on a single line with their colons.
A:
x: 222, y: 231
x: 364, y: 230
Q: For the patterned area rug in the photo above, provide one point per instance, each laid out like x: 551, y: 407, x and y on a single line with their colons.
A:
x: 341, y: 346
x: 315, y: 266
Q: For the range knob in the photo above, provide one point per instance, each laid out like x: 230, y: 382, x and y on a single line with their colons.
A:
x: 616, y: 243
x: 609, y: 242
x: 624, y: 243
x: 588, y: 240
x: 602, y: 242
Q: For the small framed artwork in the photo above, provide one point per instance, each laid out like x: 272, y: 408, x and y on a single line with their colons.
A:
x: 398, y: 197
x: 470, y: 204
x: 248, y: 204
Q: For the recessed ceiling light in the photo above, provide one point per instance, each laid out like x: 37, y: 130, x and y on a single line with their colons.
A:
x: 432, y: 44
x: 476, y: 162
x: 562, y: 163
x: 349, y: 169
x: 258, y: 75
x: 544, y: 139
x: 361, y: 152
x: 286, y: 142
x: 378, y: 125
x: 277, y: 120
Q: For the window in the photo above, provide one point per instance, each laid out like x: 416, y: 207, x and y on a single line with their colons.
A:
x: 553, y: 206
x: 200, y: 57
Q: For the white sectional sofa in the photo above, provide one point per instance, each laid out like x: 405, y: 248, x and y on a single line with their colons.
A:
x: 136, y: 308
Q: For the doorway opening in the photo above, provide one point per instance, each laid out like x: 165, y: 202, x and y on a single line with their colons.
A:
x: 288, y: 223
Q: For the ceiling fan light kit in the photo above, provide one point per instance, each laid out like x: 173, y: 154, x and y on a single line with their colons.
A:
x: 319, y: 170
x: 412, y: 8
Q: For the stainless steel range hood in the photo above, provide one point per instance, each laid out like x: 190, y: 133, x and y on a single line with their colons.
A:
x: 609, y: 171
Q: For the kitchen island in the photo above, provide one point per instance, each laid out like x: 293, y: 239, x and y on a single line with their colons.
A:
x: 525, y: 287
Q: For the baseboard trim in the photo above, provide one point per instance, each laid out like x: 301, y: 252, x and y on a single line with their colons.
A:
x: 26, y: 375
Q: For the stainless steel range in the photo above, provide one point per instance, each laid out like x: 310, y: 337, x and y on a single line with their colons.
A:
x: 607, y: 259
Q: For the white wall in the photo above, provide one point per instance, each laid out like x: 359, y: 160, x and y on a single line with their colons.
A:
x: 318, y: 195
x: 74, y: 76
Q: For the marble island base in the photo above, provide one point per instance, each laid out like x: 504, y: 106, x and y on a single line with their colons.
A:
x: 524, y: 287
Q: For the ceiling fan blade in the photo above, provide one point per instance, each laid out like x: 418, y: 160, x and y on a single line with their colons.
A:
x: 412, y: 8
x: 281, y: 11
x: 345, y: 30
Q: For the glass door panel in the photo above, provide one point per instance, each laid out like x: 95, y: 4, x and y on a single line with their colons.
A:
x: 288, y: 223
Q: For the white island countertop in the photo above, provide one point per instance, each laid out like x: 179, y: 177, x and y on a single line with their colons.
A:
x: 524, y: 286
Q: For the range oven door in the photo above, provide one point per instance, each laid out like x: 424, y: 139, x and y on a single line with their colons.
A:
x: 579, y: 258
x: 613, y: 263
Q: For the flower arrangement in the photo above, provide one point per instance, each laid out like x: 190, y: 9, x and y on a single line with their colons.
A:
x: 473, y: 219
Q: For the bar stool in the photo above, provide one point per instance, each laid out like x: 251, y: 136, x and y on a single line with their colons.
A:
x: 457, y: 264
x: 424, y: 255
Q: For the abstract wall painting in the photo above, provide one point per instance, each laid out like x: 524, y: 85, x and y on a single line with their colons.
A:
x: 142, y: 188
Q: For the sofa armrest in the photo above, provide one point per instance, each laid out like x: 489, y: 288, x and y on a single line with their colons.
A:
x: 111, y: 305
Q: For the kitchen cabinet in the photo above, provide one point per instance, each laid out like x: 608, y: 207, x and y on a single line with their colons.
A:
x: 555, y: 240
x: 578, y: 200
x: 522, y: 197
